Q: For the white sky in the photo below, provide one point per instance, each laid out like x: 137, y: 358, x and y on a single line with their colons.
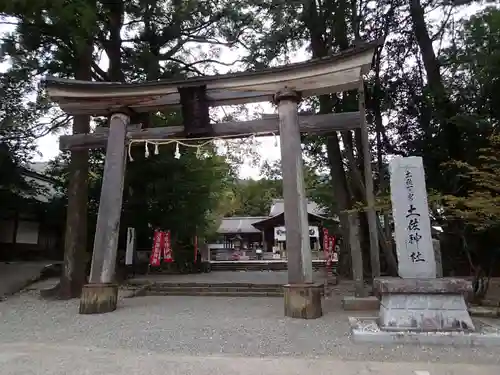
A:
x: 48, y: 146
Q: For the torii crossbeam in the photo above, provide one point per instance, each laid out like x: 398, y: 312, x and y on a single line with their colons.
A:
x: 285, y: 86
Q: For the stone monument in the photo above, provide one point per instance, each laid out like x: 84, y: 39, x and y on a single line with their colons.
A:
x: 410, y: 211
x: 417, y: 307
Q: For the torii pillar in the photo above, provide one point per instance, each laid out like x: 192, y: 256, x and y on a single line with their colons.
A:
x: 100, y: 295
x: 302, y: 296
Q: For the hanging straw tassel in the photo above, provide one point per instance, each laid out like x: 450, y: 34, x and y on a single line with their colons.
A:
x: 157, y: 151
x: 146, y: 150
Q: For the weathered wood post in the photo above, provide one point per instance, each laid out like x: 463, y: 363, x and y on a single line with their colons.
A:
x: 100, y: 295
x: 302, y: 297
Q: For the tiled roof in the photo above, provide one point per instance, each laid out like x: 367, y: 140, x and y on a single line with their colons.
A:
x: 278, y: 207
x: 239, y: 224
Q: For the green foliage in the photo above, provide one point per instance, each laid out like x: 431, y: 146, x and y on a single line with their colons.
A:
x: 175, y: 194
x: 480, y: 208
x: 18, y: 132
x: 254, y: 197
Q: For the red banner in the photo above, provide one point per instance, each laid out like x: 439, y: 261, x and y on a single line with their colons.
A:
x: 158, y: 244
x: 325, y: 242
x: 167, y: 249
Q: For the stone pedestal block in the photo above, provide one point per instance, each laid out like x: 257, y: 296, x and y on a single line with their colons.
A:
x: 445, y: 285
x: 303, y: 300
x: 98, y: 298
x: 351, y: 303
x: 423, y: 305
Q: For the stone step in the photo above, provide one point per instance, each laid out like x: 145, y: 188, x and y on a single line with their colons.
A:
x: 219, y: 289
x: 214, y: 285
x: 213, y: 293
x: 200, y: 289
x: 256, y: 266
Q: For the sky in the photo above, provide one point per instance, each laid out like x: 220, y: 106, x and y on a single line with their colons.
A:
x: 48, y: 146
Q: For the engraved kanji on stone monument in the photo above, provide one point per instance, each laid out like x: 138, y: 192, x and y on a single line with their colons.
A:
x: 412, y: 225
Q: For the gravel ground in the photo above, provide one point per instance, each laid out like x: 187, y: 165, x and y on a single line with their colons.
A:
x: 201, y: 326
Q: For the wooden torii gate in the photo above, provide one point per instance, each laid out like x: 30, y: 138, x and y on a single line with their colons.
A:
x: 285, y: 86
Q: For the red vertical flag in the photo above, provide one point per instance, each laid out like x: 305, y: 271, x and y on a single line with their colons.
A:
x: 325, y: 242
x: 167, y: 248
x: 331, y: 244
x: 158, y: 243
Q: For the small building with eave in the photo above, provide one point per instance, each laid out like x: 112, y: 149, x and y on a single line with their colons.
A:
x: 239, y: 237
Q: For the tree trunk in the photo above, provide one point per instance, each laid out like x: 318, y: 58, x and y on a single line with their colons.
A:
x: 359, y: 187
x: 443, y: 106
x: 317, y: 29
x: 75, y: 240
x: 379, y: 128
x: 116, y: 13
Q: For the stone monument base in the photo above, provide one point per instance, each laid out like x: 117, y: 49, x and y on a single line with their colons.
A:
x: 303, y: 300
x: 423, y: 311
x: 98, y: 298
x: 367, y: 330
x: 424, y: 305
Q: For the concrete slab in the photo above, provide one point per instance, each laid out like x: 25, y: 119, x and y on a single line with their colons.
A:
x: 367, y: 330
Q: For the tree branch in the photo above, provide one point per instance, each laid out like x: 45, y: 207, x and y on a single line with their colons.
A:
x: 99, y: 74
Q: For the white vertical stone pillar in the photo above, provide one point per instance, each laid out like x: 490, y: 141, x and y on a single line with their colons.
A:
x: 411, y: 218
x: 129, y: 253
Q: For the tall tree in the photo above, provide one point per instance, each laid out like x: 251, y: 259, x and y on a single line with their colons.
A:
x: 58, y: 39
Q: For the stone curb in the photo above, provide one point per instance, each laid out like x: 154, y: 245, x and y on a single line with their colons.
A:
x: 490, y: 303
x: 484, y: 311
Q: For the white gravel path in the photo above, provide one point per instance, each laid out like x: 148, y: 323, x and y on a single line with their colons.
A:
x: 207, y: 326
x: 26, y: 358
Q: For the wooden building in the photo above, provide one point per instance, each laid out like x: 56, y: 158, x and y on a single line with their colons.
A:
x: 26, y: 233
x: 237, y: 235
